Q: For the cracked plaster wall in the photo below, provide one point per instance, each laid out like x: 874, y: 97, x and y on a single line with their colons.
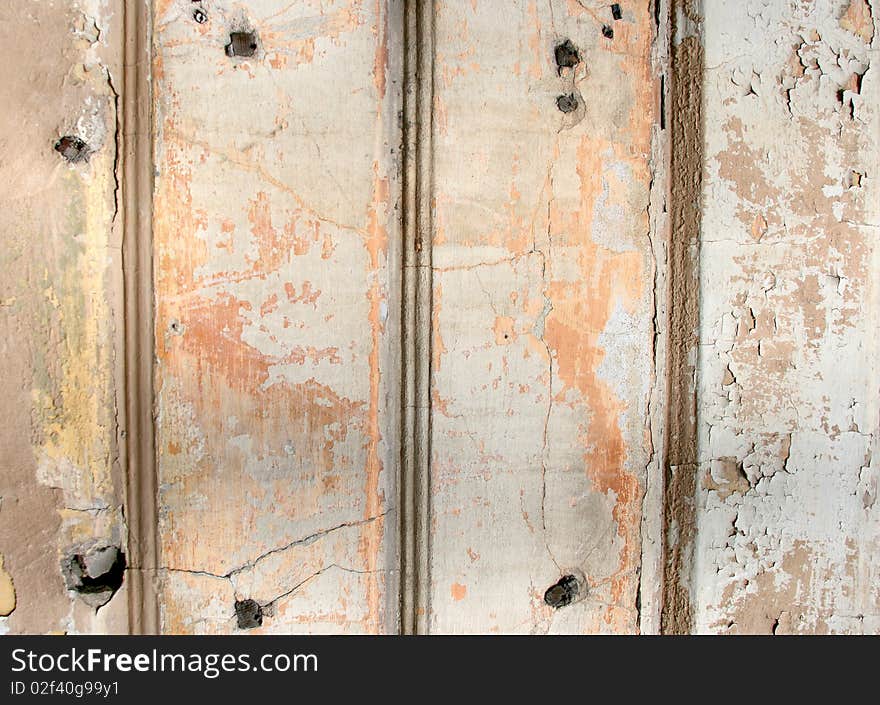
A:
x: 543, y: 363
x: 275, y: 222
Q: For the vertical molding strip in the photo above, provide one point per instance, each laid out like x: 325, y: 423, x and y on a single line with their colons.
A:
x: 685, y: 194
x: 416, y: 321
x: 650, y: 596
x: 137, y: 198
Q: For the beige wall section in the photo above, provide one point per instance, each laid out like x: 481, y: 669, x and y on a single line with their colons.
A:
x: 543, y: 364
x: 61, y: 487
x: 788, y: 535
x: 277, y: 308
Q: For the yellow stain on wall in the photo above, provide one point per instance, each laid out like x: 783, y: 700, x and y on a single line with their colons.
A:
x: 77, y: 408
x: 7, y: 591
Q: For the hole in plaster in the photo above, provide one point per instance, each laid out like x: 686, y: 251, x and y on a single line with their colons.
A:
x: 615, y: 11
x: 73, y: 149
x: 249, y: 614
x: 566, y: 55
x: 242, y: 44
x: 563, y: 593
x: 96, y: 574
x: 567, y: 103
x: 607, y: 32
x: 200, y: 16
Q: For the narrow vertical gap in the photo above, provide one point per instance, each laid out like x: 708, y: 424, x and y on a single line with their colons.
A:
x: 137, y: 421
x: 685, y: 106
x: 416, y: 320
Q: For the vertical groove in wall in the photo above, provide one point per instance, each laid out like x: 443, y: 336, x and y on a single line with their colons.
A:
x: 416, y: 318
x: 137, y: 197
x: 685, y: 179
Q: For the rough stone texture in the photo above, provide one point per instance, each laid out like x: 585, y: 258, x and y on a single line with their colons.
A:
x: 61, y: 487
x: 788, y: 538
x: 544, y: 308
x: 276, y: 402
x: 685, y: 171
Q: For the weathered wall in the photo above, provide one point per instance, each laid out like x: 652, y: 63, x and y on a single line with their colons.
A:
x: 543, y: 306
x: 788, y: 538
x: 487, y: 293
x: 275, y: 245
x: 61, y: 486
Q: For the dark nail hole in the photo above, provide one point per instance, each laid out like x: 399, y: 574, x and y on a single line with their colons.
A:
x: 615, y: 11
x: 96, y: 574
x: 249, y: 614
x: 607, y: 32
x: 73, y: 149
x: 200, y: 16
x: 241, y: 44
x: 566, y: 55
x: 562, y: 593
x: 567, y: 103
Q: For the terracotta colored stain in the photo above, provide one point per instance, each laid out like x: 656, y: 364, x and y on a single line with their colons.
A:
x: 437, y: 347
x: 242, y: 284
x: 162, y: 6
x: 759, y: 227
x: 463, y: 64
x: 273, y: 248
x: 377, y: 242
x: 438, y: 403
x: 575, y: 8
x: 859, y: 20
x: 504, y: 330
x: 306, y: 294
x: 312, y: 408
x: 269, y: 305
x: 279, y: 61
x: 458, y: 591
x: 536, y: 43
x: 581, y: 311
x: 380, y: 63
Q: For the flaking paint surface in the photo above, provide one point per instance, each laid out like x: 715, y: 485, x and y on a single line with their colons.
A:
x: 544, y: 305
x: 276, y: 192
x: 787, y: 535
